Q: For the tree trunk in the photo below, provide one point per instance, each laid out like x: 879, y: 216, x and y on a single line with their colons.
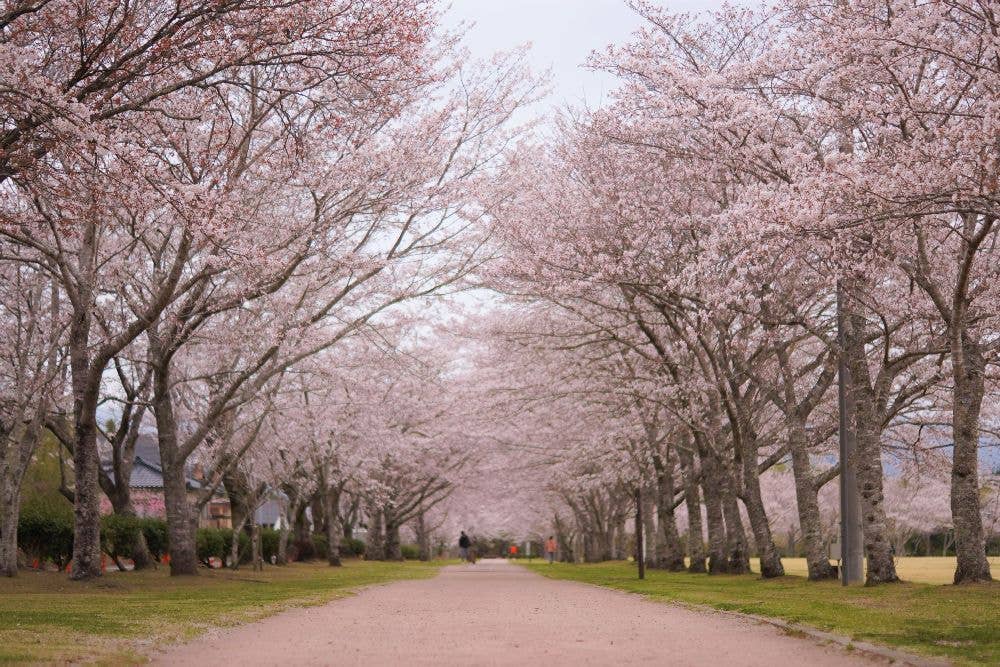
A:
x: 692, y: 498
x: 10, y: 504
x: 180, y: 523
x: 807, y: 504
x: 331, y: 508
x: 670, y: 551
x: 770, y: 559
x: 970, y: 545
x: 86, y: 490
x: 237, y: 521
x: 375, y: 547
x: 736, y: 537
x: 868, y: 464
x: 393, y: 547
x: 283, y: 536
x: 718, y: 561
x: 423, y: 536
x: 257, y: 557
x: 654, y: 538
x: 17, y: 452
x: 619, y: 543
x: 318, y: 515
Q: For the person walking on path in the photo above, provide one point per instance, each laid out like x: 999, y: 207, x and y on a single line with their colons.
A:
x: 550, y: 549
x: 463, y: 546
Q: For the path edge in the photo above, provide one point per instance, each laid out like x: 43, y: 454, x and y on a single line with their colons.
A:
x: 158, y: 648
x: 893, y: 655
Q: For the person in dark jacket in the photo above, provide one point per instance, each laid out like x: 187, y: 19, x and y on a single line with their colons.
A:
x: 463, y: 546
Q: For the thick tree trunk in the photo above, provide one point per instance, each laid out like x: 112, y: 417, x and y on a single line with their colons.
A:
x: 619, y: 543
x: 180, y: 522
x: 288, y: 515
x: 736, y: 537
x: 718, y: 560
x: 868, y: 464
x: 770, y: 558
x: 238, y: 519
x: 393, y: 546
x: 10, y: 505
x: 653, y: 537
x: 16, y: 456
x: 86, y: 382
x: 670, y: 551
x: 300, y: 527
x: 257, y: 556
x: 283, y: 536
x: 692, y: 499
x: 86, y: 490
x: 807, y: 504
x: 423, y: 536
x: 970, y: 545
x: 318, y: 515
x: 331, y: 508
x: 375, y: 547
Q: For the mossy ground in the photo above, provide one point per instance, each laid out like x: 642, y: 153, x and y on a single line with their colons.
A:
x: 44, y: 617
x: 961, y: 623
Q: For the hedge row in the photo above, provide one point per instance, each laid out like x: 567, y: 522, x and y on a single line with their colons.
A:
x: 46, y: 533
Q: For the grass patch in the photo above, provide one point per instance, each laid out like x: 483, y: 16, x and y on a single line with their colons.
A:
x: 961, y: 623
x: 44, y: 617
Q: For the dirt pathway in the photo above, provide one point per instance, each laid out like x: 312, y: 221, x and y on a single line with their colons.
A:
x: 493, y: 613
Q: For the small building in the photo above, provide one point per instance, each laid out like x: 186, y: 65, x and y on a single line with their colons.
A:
x: 146, y: 485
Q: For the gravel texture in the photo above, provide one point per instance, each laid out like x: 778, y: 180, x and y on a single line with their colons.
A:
x: 494, y: 613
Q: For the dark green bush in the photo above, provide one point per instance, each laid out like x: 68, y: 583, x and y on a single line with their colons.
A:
x: 210, y: 542
x: 269, y: 539
x: 120, y: 534
x: 410, y: 551
x: 45, y: 531
x: 352, y: 548
x: 155, y: 532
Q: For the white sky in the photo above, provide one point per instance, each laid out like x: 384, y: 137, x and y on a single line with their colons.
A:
x: 562, y: 34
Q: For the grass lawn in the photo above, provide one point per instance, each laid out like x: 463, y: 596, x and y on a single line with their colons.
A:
x: 961, y: 623
x: 44, y: 617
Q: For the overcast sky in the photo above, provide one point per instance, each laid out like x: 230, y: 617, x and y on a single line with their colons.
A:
x: 562, y: 34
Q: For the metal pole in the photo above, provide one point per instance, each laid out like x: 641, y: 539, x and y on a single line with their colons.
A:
x: 851, y: 545
x: 640, y: 553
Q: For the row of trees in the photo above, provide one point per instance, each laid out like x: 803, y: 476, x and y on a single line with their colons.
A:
x: 223, y: 219
x: 770, y: 195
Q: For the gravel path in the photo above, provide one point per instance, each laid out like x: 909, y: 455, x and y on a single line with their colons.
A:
x: 493, y: 613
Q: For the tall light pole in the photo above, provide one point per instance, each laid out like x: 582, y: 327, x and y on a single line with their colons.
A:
x: 640, y: 552
x: 851, y: 545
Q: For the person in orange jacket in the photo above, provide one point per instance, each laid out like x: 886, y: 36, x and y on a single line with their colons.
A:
x: 550, y: 549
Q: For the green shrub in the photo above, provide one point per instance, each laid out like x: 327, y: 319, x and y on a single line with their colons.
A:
x: 269, y: 539
x: 210, y: 542
x: 45, y: 531
x: 155, y: 532
x: 352, y: 548
x: 120, y: 535
x: 410, y: 551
